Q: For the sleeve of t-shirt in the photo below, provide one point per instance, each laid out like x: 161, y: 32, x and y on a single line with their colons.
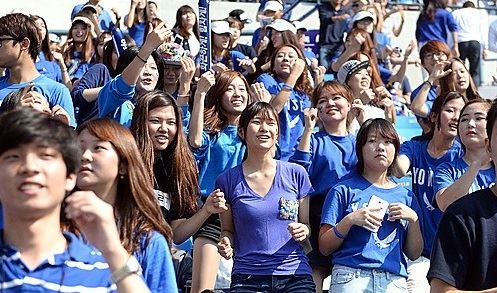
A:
x: 302, y: 158
x: 451, y: 22
x: 113, y: 95
x: 451, y: 251
x: 63, y: 99
x: 236, y: 56
x: 270, y: 83
x: 157, y: 265
x: 222, y: 184
x: 407, y: 149
x: 334, y: 206
x: 95, y: 77
x: 442, y: 177
x: 304, y: 184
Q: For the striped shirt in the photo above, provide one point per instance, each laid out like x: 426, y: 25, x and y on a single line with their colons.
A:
x: 80, y: 268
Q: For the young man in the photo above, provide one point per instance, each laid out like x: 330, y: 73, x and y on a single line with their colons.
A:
x: 465, y: 248
x: 39, y: 159
x: 19, y: 48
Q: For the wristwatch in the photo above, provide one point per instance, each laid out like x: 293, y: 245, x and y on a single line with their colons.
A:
x: 132, y: 266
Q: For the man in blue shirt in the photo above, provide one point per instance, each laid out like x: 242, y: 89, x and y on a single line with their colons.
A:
x: 19, y: 48
x: 39, y: 159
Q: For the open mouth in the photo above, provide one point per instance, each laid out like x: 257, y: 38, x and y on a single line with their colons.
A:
x: 28, y: 187
x: 162, y: 139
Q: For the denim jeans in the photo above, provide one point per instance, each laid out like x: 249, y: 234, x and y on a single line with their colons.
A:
x: 345, y: 279
x: 471, y: 50
x: 327, y: 56
x: 272, y: 284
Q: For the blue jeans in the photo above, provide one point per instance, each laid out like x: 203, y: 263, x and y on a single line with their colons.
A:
x: 345, y: 279
x: 327, y: 56
x: 272, y: 284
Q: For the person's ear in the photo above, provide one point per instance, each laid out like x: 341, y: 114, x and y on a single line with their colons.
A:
x: 241, y: 133
x: 487, y: 144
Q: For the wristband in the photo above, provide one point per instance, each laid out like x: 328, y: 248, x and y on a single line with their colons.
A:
x: 287, y: 87
x: 337, y: 233
x: 143, y: 60
x: 132, y: 266
x: 428, y: 82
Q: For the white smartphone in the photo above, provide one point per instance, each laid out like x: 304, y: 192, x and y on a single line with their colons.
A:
x: 376, y: 202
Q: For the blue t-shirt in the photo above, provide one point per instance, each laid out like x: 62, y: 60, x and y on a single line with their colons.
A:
x: 217, y: 153
x: 157, y: 265
x: 291, y: 116
x: 137, y: 32
x: 329, y: 158
x: 56, y: 93
x: 447, y: 173
x: 262, y: 243
x: 80, y: 268
x: 362, y: 248
x: 427, y: 30
x: 50, y: 69
x: 432, y: 95
x: 422, y: 168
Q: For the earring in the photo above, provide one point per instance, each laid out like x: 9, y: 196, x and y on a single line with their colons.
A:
x: 121, y: 176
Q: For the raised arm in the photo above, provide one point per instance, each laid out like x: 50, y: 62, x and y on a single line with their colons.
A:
x: 280, y: 100
x: 197, y: 118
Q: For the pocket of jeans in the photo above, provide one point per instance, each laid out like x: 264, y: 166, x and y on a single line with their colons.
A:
x: 400, y: 283
x: 240, y: 279
x: 341, y: 277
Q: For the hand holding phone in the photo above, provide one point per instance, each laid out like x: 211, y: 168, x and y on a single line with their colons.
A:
x: 379, y: 207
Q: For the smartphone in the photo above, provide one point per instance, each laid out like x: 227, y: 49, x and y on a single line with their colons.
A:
x: 376, y: 202
x: 178, y: 39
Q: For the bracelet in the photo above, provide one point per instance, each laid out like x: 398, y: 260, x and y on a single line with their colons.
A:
x: 428, y: 82
x: 337, y: 233
x: 287, y: 87
x: 183, y: 96
x: 138, y: 56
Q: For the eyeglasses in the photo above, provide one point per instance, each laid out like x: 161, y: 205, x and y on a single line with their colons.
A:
x: 438, y: 55
x: 6, y: 39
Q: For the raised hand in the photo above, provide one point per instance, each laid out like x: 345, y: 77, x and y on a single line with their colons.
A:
x: 310, y: 118
x: 157, y: 35
x: 188, y: 69
x: 206, y: 81
x: 298, y: 67
x: 259, y: 93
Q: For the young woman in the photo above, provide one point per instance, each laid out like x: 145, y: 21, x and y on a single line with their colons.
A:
x: 46, y: 64
x: 369, y: 222
x: 289, y: 84
x: 136, y: 20
x: 236, y: 27
x: 475, y: 170
x: 422, y: 157
x: 435, y: 22
x: 186, y: 26
x: 159, y: 134
x: 142, y: 72
x: 328, y: 153
x: 265, y: 195
x: 79, y: 49
x: 221, y: 44
x: 214, y: 139
x: 458, y: 80
x: 370, y: 102
x: 111, y: 167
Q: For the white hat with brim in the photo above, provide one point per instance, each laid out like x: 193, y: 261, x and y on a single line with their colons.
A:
x: 273, y: 6
x: 349, y: 68
x: 282, y: 25
x: 220, y: 27
x: 360, y: 16
x: 87, y: 22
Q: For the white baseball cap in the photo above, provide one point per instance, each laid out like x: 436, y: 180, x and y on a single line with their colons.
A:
x: 282, y: 25
x: 220, y: 27
x: 349, y: 68
x: 273, y: 6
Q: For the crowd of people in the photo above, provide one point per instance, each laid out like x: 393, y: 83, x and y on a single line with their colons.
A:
x: 117, y: 151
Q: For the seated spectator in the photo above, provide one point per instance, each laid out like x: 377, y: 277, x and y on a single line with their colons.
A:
x: 39, y: 159
x: 19, y: 48
x: 463, y: 250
